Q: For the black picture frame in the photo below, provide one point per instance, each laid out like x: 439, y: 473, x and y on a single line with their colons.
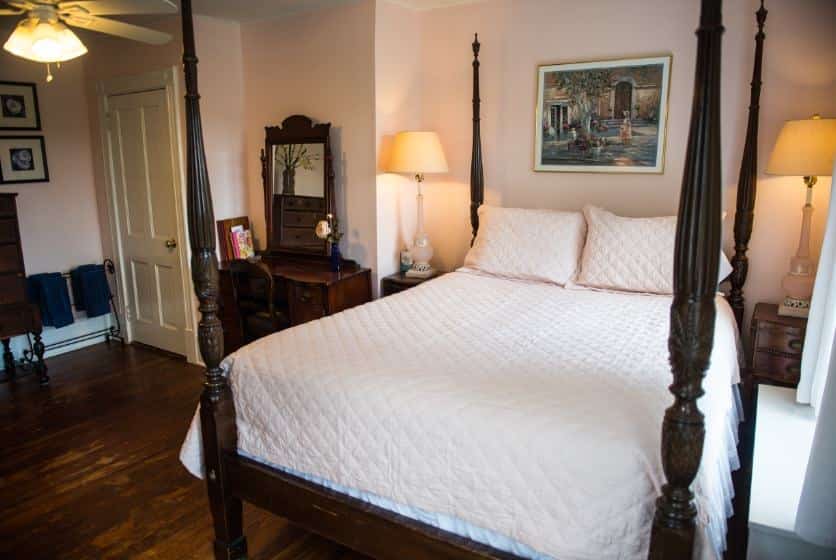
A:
x: 44, y: 179
x: 34, y: 88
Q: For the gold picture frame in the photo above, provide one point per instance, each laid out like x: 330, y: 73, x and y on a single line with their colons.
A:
x: 605, y: 116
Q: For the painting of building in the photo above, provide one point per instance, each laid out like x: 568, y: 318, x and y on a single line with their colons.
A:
x: 602, y: 116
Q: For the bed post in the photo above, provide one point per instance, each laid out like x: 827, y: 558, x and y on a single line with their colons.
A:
x: 696, y: 257
x: 217, y: 411
x: 747, y: 182
x: 477, y: 177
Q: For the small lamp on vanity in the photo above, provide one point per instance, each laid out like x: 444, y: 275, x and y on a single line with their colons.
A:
x: 418, y: 153
x: 806, y: 148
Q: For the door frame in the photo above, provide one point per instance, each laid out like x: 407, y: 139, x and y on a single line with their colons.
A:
x: 169, y: 80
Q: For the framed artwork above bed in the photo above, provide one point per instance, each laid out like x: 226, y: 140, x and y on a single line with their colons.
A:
x: 604, y: 116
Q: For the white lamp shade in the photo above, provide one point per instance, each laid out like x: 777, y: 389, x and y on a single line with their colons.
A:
x: 417, y: 152
x: 805, y: 147
x: 44, y: 41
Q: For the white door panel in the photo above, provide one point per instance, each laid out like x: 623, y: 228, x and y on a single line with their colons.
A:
x: 143, y: 170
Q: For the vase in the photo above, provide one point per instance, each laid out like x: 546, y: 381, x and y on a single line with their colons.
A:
x: 289, y: 181
x: 336, y: 257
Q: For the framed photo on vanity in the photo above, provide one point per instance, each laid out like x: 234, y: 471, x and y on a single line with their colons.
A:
x: 19, y: 106
x: 605, y: 116
x: 23, y: 160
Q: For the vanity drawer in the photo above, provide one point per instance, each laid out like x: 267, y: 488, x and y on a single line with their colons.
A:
x: 8, y: 230
x: 302, y: 219
x: 307, y: 303
x: 308, y: 295
x: 300, y: 237
x: 315, y: 204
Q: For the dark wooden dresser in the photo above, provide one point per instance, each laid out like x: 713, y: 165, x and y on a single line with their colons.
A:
x: 17, y: 316
x: 308, y: 291
x: 777, y: 342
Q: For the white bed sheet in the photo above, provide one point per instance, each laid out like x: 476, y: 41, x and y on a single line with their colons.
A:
x: 520, y: 414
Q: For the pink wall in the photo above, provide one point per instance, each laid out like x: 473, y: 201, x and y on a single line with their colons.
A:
x: 319, y: 64
x: 58, y: 220
x: 799, y: 80
x: 218, y: 45
x: 398, y: 93
x: 518, y: 35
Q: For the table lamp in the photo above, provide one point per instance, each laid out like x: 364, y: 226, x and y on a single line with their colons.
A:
x: 805, y: 148
x: 418, y: 153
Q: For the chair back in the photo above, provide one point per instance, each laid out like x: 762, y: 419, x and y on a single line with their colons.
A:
x: 252, y: 286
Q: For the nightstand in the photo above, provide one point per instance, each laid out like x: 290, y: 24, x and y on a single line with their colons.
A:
x: 777, y: 341
x: 399, y: 282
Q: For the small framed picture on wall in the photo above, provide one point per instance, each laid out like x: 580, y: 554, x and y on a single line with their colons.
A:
x: 23, y: 160
x: 19, y: 106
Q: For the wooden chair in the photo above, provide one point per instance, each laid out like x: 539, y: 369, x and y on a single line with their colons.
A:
x: 262, y: 309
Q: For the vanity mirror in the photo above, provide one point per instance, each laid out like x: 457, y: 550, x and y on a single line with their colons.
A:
x: 298, y: 184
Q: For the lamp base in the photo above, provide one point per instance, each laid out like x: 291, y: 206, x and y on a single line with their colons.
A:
x: 792, y: 307
x: 420, y: 270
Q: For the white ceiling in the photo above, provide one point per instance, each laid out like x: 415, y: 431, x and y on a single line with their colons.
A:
x: 254, y: 10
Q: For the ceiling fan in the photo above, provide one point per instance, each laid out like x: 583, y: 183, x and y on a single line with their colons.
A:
x: 43, y: 36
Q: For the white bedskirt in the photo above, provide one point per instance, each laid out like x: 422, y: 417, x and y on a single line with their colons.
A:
x: 521, y: 414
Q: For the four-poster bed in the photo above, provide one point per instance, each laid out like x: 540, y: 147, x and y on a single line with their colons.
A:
x: 377, y: 530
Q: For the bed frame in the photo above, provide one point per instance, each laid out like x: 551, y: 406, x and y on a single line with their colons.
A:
x: 384, y: 535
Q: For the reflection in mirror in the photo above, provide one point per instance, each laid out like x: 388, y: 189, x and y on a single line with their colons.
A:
x: 299, y: 169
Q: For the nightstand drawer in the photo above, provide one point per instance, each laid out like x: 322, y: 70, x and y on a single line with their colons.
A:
x: 783, y: 369
x: 779, y: 338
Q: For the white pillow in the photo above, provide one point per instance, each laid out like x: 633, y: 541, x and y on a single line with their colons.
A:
x: 631, y: 254
x: 542, y: 245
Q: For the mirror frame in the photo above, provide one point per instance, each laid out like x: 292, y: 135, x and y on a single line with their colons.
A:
x: 296, y: 129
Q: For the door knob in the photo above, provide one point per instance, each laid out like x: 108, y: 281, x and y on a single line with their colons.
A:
x: 171, y: 243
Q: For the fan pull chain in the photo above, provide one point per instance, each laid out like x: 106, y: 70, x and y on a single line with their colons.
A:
x: 48, y: 73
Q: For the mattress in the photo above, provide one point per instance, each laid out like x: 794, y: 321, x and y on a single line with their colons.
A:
x: 520, y: 414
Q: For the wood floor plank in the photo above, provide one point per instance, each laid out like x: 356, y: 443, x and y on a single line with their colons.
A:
x: 89, y: 466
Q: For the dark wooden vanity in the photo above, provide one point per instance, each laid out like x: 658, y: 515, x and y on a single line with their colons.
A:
x: 299, y: 191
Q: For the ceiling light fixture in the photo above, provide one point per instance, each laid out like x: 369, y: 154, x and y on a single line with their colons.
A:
x: 42, y: 38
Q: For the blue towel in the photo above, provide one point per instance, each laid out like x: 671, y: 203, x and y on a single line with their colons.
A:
x: 49, y: 291
x: 91, y: 291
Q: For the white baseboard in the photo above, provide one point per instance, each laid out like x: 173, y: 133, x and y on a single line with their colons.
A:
x: 51, y: 335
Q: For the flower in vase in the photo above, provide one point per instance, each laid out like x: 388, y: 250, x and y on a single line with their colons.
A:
x: 323, y: 229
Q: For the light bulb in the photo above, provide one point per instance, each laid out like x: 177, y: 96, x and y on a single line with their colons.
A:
x: 47, y: 48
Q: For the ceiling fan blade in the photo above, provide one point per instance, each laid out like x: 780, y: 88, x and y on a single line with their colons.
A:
x: 17, y: 6
x: 118, y: 28
x: 120, y: 7
x: 10, y: 12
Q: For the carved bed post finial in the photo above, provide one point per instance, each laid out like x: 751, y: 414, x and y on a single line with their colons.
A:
x: 217, y: 412
x: 477, y: 178
x: 696, y: 259
x: 747, y: 182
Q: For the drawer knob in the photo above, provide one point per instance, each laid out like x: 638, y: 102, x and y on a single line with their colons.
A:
x: 794, y: 369
x: 305, y: 296
x: 796, y: 344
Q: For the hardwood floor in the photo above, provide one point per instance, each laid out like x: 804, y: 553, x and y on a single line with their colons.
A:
x: 89, y: 466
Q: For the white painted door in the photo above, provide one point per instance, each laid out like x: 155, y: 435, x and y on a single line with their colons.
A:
x: 143, y: 175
